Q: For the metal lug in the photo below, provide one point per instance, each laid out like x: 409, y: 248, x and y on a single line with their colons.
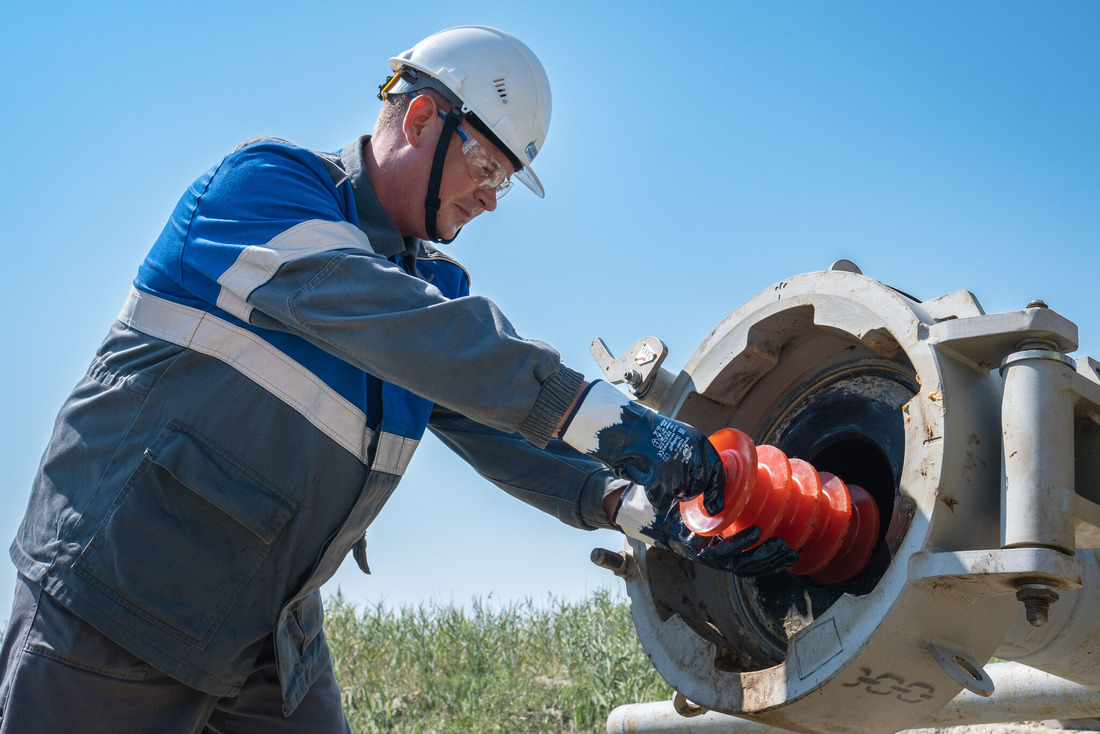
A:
x: 639, y: 367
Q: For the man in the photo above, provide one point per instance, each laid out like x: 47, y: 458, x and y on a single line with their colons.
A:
x: 283, y: 347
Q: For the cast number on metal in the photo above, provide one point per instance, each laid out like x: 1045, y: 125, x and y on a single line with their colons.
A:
x: 889, y: 684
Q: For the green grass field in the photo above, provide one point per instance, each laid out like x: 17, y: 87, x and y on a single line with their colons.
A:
x: 560, y: 667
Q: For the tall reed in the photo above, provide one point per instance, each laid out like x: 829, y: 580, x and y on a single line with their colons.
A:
x: 559, y: 667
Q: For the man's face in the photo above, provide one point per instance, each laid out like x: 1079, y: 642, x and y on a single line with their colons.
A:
x: 463, y: 191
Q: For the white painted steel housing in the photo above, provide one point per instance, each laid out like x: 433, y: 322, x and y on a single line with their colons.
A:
x: 904, y: 398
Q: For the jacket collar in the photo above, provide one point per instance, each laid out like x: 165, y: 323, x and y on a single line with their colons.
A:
x: 383, y: 234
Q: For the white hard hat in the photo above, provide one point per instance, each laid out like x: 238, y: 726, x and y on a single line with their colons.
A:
x: 496, y: 78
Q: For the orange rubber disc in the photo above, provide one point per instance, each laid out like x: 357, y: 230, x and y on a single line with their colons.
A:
x: 859, y: 542
x: 770, y: 497
x: 738, y: 453
x: 828, y: 535
x: 804, y: 507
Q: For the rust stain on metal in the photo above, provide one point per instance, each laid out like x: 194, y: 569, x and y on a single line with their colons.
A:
x: 970, y: 463
x: 951, y: 502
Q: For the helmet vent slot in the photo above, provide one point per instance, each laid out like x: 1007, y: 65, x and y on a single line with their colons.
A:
x: 502, y: 88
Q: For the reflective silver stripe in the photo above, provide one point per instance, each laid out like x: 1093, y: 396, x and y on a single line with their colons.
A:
x: 269, y: 368
x: 257, y: 264
x: 394, y: 453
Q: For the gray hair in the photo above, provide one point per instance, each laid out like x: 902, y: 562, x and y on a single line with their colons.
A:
x: 396, y: 105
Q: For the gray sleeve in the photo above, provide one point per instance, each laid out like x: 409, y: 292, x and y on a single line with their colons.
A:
x: 556, y: 479
x: 460, y: 353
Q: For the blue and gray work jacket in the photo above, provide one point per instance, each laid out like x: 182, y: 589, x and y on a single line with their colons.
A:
x: 279, y: 356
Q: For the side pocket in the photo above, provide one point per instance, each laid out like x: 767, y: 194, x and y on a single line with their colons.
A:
x: 185, y: 535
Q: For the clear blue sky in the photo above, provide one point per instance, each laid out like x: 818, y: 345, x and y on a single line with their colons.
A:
x: 699, y: 152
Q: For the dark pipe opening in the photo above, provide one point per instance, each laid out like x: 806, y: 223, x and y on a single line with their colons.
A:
x: 858, y: 461
x: 851, y: 426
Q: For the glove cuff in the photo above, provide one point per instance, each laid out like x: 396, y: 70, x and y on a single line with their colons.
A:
x: 600, y: 407
x: 635, y: 516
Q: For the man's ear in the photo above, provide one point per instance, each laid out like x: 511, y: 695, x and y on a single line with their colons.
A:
x: 419, y: 118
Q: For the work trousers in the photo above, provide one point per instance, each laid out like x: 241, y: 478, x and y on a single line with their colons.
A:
x: 58, y: 675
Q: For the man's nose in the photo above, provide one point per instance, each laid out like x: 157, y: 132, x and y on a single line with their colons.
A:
x: 488, y: 199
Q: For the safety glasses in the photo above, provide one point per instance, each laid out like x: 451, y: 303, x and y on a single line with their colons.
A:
x: 484, y: 168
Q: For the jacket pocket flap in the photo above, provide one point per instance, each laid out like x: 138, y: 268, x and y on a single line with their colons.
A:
x: 222, y: 480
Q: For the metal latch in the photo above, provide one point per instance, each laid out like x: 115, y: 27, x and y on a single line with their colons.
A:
x: 639, y: 368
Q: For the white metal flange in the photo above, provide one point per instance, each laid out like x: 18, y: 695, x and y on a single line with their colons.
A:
x: 840, y: 368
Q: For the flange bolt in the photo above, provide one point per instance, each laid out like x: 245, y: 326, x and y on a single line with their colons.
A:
x: 621, y: 564
x: 1037, y: 598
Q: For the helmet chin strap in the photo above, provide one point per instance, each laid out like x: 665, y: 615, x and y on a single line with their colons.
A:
x: 431, y: 201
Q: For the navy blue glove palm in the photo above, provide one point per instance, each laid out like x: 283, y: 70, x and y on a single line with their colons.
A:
x: 636, y: 517
x: 730, y: 554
